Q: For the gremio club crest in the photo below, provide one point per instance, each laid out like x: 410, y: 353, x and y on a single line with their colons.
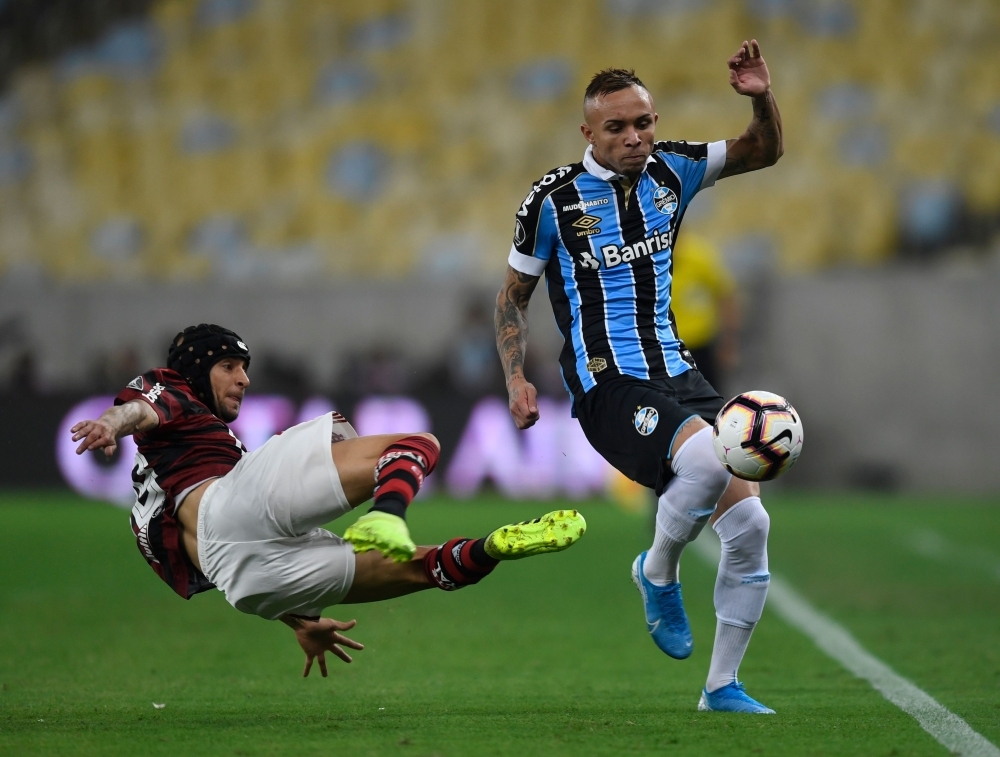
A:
x: 646, y: 419
x: 665, y: 201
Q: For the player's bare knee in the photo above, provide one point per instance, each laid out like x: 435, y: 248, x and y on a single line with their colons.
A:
x: 738, y: 490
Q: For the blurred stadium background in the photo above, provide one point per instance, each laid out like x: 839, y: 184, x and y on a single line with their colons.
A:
x: 336, y: 181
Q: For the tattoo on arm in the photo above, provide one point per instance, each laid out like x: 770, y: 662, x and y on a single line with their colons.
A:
x: 766, y: 125
x: 735, y: 163
x: 511, y: 321
x: 761, y: 144
x: 131, y: 417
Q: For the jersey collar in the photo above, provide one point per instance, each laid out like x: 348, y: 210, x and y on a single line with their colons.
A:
x: 596, y: 169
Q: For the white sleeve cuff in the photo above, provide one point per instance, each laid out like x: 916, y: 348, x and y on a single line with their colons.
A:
x: 525, y: 263
x: 716, y: 161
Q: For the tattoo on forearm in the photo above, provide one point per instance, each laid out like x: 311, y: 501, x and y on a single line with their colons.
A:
x: 125, y: 418
x: 761, y: 144
x: 511, y: 321
x: 766, y: 125
x: 736, y: 164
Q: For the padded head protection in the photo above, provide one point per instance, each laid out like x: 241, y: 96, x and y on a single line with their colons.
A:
x: 196, y: 349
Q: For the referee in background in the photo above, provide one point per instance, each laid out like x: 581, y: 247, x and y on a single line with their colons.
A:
x: 706, y: 306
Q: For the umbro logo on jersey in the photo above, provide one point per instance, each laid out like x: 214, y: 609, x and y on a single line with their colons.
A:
x: 587, y: 224
x: 136, y: 384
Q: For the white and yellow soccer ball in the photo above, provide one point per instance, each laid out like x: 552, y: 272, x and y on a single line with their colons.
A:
x: 757, y: 436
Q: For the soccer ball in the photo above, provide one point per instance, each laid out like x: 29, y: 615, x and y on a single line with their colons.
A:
x: 757, y: 436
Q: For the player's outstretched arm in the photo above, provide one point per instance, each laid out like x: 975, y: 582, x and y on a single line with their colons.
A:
x: 761, y: 144
x: 511, y: 322
x: 114, y: 423
x: 319, y: 636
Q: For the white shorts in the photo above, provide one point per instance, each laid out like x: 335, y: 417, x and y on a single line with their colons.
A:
x: 258, y: 535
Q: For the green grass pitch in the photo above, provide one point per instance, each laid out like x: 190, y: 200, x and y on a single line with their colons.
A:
x: 548, y: 656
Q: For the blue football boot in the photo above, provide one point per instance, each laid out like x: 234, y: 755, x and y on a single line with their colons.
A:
x: 731, y: 698
x: 665, y: 616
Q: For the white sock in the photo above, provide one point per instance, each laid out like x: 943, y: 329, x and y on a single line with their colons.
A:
x: 727, y: 654
x: 685, y: 506
x: 740, y: 587
x: 663, y: 561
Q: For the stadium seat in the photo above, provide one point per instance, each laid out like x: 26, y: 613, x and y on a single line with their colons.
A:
x: 352, y: 125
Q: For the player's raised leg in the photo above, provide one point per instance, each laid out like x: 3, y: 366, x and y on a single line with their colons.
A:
x: 392, y: 467
x: 682, y: 511
x: 740, y: 590
x: 453, y: 565
x: 462, y: 562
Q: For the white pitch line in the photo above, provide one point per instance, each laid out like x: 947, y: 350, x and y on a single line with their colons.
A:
x: 946, y: 727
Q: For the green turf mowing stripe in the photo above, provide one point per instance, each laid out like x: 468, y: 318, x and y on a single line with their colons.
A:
x: 947, y: 728
x: 549, y: 656
x: 930, y: 544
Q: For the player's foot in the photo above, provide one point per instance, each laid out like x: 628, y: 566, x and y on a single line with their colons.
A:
x: 731, y: 698
x: 384, y: 532
x: 552, y: 532
x: 665, y: 616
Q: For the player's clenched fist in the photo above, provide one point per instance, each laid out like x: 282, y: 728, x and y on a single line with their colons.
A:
x: 523, y: 403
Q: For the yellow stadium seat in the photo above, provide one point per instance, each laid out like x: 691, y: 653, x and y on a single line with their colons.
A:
x: 981, y: 173
x: 466, y: 129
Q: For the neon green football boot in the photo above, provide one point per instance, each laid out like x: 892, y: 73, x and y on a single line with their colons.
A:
x: 384, y: 532
x: 552, y: 532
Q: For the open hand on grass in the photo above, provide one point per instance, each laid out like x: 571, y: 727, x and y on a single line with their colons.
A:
x: 317, y: 637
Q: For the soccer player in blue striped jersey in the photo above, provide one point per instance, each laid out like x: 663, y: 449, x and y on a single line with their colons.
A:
x: 602, y: 231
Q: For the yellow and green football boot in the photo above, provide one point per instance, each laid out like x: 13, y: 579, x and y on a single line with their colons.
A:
x: 552, y: 532
x: 384, y: 532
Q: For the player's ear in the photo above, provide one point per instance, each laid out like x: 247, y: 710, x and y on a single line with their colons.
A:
x: 587, y: 133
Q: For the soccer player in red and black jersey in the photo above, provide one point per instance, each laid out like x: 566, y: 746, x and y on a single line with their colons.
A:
x: 210, y: 514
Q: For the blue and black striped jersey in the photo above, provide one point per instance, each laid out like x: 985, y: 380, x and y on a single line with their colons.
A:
x: 608, y: 263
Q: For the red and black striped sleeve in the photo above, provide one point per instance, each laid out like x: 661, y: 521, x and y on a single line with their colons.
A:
x: 163, y: 390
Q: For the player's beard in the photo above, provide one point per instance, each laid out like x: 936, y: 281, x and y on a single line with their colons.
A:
x: 226, y: 415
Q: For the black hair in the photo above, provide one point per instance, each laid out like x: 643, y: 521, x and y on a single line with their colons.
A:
x: 611, y: 80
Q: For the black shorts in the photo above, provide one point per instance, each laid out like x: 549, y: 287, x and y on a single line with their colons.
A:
x: 632, y: 422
